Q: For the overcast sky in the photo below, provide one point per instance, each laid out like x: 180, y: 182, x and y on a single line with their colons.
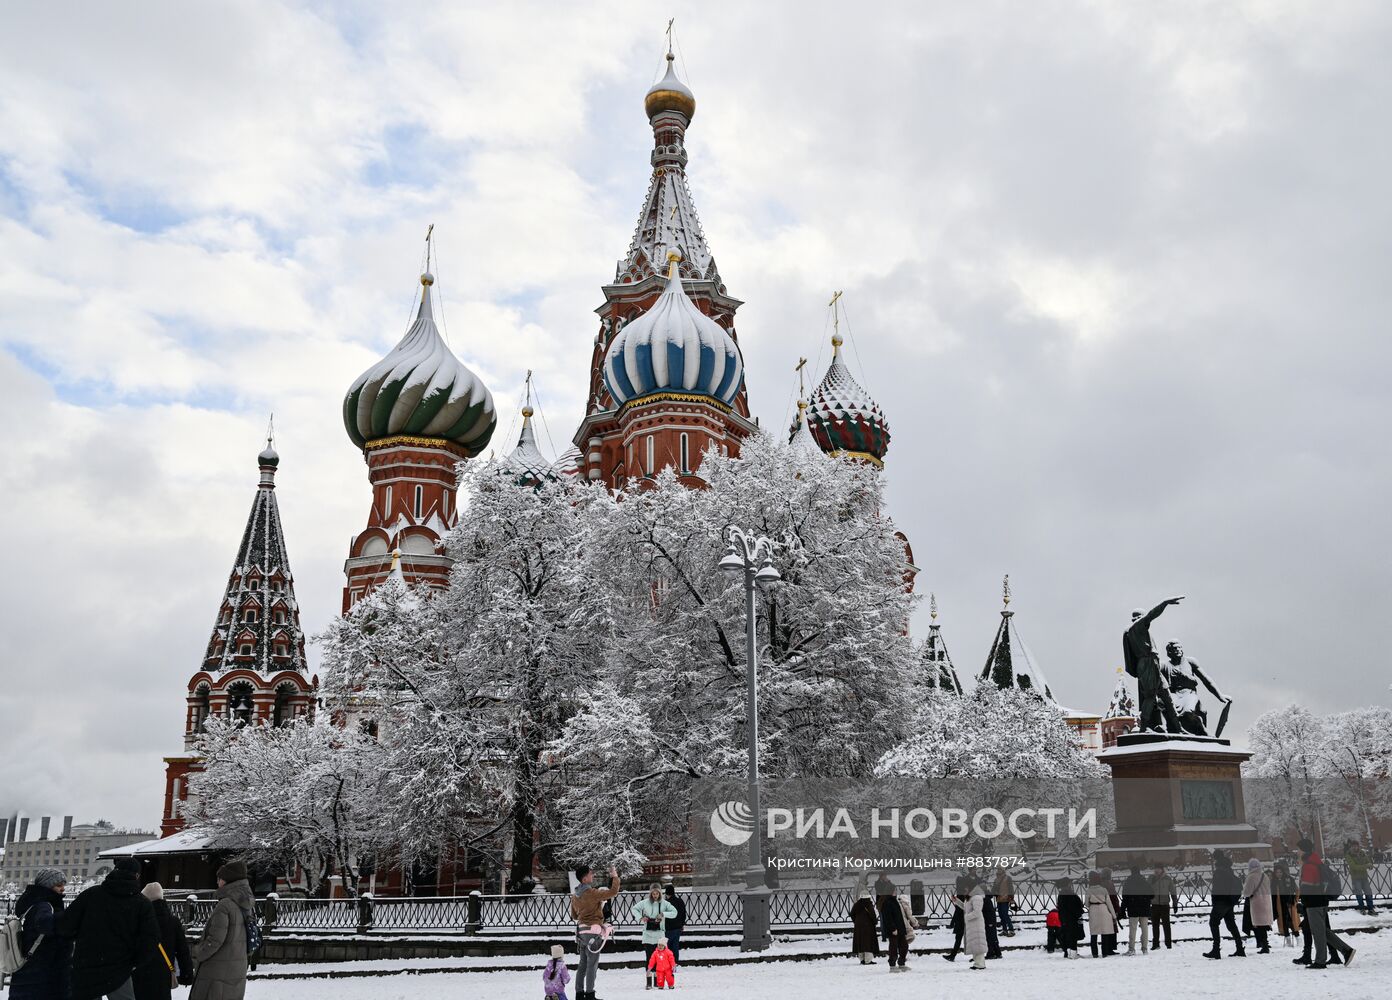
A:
x: 1117, y: 274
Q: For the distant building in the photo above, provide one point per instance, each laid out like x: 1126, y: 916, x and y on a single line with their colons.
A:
x: 75, y: 851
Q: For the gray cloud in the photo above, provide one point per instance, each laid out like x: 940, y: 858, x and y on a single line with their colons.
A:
x: 1116, y: 274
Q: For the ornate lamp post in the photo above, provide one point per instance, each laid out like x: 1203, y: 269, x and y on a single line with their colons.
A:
x: 752, y: 555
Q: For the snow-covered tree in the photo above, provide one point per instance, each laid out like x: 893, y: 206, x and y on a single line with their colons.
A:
x: 303, y: 800
x: 472, y: 683
x: 1356, y: 754
x: 1285, y: 776
x: 999, y: 748
x: 839, y: 682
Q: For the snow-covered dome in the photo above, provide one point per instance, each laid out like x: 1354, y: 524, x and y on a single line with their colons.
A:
x: 669, y: 94
x: 570, y: 463
x: 673, y: 347
x: 801, y: 440
x: 525, y: 463
x: 420, y: 389
x: 843, y: 417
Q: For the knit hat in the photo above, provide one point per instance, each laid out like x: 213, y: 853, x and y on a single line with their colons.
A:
x: 557, y: 951
x: 153, y: 891
x: 128, y: 865
x: 47, y: 878
x: 233, y: 871
x: 1253, y: 865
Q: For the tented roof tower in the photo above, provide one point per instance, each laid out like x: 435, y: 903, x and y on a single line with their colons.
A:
x: 936, y: 661
x: 1010, y: 663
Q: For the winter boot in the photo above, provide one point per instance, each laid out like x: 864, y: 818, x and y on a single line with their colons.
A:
x: 1215, y: 953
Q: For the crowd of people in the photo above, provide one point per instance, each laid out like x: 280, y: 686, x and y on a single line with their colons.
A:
x: 119, y: 939
x: 1292, y: 904
x: 660, y: 916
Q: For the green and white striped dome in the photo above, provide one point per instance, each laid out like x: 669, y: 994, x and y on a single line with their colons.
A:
x: 421, y: 389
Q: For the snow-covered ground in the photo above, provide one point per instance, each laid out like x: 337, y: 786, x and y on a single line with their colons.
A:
x: 1022, y: 974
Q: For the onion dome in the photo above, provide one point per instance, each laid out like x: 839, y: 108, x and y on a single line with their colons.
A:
x: 801, y: 440
x: 670, y: 94
x: 842, y: 416
x: 269, y: 456
x: 420, y: 389
x: 571, y: 463
x: 673, y: 347
x: 525, y: 462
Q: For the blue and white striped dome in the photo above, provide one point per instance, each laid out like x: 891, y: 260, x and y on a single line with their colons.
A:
x: 673, y: 347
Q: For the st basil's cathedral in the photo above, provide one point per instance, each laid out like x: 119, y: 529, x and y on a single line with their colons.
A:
x: 666, y: 382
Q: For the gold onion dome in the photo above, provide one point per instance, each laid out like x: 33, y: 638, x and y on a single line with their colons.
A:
x: 420, y: 389
x: 670, y: 94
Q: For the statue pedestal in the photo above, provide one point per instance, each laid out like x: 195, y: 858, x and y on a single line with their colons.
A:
x: 1177, y: 800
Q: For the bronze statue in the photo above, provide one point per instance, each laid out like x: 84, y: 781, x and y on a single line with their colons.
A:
x: 1183, y: 677
x: 1157, y: 712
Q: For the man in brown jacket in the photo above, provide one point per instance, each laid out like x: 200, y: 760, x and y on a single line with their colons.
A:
x: 587, y: 909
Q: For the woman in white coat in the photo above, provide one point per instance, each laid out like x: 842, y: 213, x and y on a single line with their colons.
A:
x: 1102, y: 916
x: 974, y: 921
x: 1257, y: 891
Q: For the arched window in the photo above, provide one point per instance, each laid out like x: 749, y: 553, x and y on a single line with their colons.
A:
x: 249, y: 615
x: 202, y: 706
x: 284, y: 712
x: 652, y: 448
x: 685, y: 453
x: 420, y: 495
x: 240, y: 709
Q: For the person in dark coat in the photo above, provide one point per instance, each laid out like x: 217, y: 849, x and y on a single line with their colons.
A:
x: 45, y: 975
x: 113, y: 930
x: 156, y: 978
x: 675, y: 925
x: 1070, y: 910
x: 1227, y: 892
x: 958, y: 922
x: 993, y: 949
x: 896, y: 932
x: 1137, y: 894
x: 865, y: 939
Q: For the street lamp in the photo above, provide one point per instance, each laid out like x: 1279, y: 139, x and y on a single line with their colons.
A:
x: 752, y: 555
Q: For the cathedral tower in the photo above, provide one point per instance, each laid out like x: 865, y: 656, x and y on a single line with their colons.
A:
x: 675, y: 384
x: 415, y: 414
x: 254, y: 670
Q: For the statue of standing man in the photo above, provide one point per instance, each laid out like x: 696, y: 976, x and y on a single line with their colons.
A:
x: 1157, y: 712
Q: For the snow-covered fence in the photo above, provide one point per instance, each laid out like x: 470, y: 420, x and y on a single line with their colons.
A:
x: 706, y: 909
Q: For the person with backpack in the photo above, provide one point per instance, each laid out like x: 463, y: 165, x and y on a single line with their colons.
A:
x: 230, y: 938
x: 45, y: 956
x: 171, y: 965
x: 1318, y: 885
x: 113, y: 930
x: 555, y: 977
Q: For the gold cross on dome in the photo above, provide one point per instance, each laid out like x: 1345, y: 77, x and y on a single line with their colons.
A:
x: 670, y: 21
x: 835, y: 312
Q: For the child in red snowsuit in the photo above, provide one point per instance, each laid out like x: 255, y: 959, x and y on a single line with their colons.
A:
x: 1054, y: 923
x: 663, y: 963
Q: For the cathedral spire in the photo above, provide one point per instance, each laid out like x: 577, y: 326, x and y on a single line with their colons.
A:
x: 936, y: 661
x: 258, y: 624
x: 1010, y: 663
